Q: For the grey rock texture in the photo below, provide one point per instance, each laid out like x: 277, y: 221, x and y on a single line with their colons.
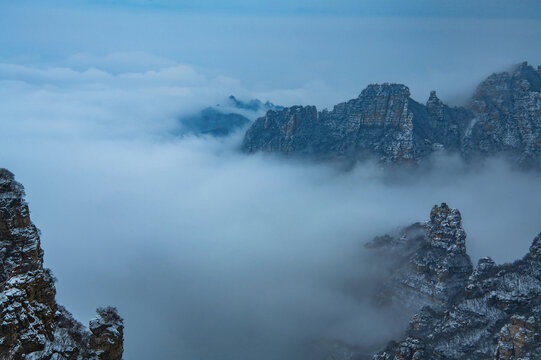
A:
x: 379, y: 122
x: 507, y: 117
x: 490, y: 312
x: 503, y: 117
x: 33, y: 325
x: 107, y: 334
x: 429, y: 261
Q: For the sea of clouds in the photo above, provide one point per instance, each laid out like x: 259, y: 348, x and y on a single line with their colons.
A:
x: 207, y: 252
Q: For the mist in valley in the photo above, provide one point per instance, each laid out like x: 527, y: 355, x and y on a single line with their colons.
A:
x: 210, y: 253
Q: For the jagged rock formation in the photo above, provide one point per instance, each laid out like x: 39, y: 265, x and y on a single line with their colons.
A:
x: 507, y: 116
x: 430, y: 264
x: 252, y: 105
x: 33, y: 325
x: 504, y: 117
x: 490, y: 312
x: 383, y: 121
x: 107, y: 334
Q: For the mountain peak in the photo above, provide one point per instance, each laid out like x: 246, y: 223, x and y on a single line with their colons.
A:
x: 490, y: 313
x: 445, y: 229
x: 385, y: 88
x: 535, y: 249
x: 433, y: 99
x: 251, y: 105
x: 522, y: 66
x: 383, y: 122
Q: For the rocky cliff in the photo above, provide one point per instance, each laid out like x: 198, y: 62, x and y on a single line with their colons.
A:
x: 487, y: 312
x: 503, y: 117
x: 429, y: 261
x: 507, y: 117
x: 33, y: 325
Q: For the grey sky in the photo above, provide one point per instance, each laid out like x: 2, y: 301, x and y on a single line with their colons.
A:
x: 330, y: 56
x: 415, y: 8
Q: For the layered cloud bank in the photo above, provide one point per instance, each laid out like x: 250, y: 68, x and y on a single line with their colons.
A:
x: 209, y: 253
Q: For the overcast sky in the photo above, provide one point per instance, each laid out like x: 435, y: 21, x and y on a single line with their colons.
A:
x: 456, y: 8
x: 311, y: 51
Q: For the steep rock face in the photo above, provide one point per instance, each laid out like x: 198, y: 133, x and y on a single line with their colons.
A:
x: 107, y: 334
x: 378, y: 119
x: 494, y: 312
x: 33, y: 326
x: 438, y: 126
x: 429, y: 261
x: 460, y: 312
x: 504, y: 117
x: 507, y: 108
x: 422, y: 265
x: 383, y: 121
x: 291, y: 130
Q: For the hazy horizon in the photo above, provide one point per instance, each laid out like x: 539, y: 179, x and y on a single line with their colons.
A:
x: 288, y: 56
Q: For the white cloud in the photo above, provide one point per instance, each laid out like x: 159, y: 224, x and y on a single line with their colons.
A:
x: 209, y: 253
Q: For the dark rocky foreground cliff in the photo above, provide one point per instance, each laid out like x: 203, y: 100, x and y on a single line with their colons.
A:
x: 33, y: 325
x: 461, y: 312
x: 503, y: 118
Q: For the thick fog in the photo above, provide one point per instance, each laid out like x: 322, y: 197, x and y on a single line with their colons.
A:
x: 209, y: 253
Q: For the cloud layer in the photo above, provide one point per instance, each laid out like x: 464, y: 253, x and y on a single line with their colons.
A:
x: 209, y: 253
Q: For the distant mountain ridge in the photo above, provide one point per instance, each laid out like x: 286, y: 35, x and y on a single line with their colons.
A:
x: 502, y: 118
x: 222, y: 120
x: 253, y: 105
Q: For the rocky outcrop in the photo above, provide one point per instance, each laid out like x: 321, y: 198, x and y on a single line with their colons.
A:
x: 428, y: 262
x: 515, y: 336
x: 490, y: 312
x: 107, y: 334
x: 297, y: 128
x: 383, y: 121
x: 33, y: 325
x: 445, y: 230
x: 503, y: 117
x: 507, y: 117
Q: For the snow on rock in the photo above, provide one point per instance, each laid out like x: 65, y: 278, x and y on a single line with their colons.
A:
x: 383, y: 122
x: 33, y: 326
x: 493, y: 312
x: 107, y: 334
